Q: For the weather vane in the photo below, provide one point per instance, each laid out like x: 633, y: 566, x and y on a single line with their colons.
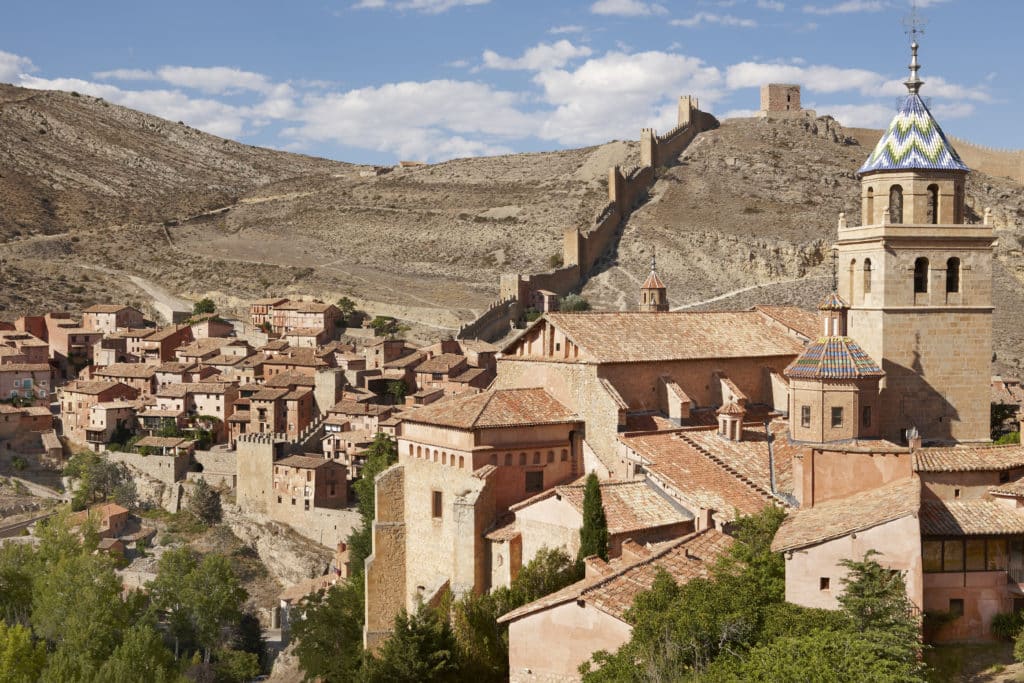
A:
x: 835, y: 270
x: 914, y: 23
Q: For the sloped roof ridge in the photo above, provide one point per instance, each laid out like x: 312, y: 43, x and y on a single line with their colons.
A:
x: 731, y: 470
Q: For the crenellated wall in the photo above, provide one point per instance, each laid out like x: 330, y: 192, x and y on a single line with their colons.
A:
x: 583, y: 248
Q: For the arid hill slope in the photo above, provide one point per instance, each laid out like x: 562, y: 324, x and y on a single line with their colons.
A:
x: 756, y: 202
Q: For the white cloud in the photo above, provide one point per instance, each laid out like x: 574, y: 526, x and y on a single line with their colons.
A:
x: 215, y: 80
x: 710, y: 18
x: 771, y: 4
x: 614, y: 95
x: 872, y: 115
x: 125, y: 75
x: 12, y: 66
x: 627, y: 8
x: 559, y: 30
x: 818, y: 78
x: 847, y: 7
x: 426, y: 6
x: 421, y: 120
x: 458, y: 63
x: 539, y: 57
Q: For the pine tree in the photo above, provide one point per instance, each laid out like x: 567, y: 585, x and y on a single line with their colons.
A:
x: 594, y: 532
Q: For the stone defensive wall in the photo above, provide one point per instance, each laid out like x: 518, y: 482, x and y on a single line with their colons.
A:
x: 583, y: 248
x: 1005, y: 163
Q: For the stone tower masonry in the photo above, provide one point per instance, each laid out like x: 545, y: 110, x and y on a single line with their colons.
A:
x: 919, y: 281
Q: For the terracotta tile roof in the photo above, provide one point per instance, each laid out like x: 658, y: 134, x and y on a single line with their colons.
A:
x: 704, y: 470
x: 276, y: 345
x: 201, y: 347
x: 164, y: 442
x: 296, y: 394
x: 969, y: 458
x: 467, y: 375
x: 306, y: 462
x: 969, y: 518
x: 1015, y: 490
x: 409, y: 360
x: 133, y: 370
x: 496, y: 408
x: 290, y: 378
x: 837, y: 518
x: 175, y: 367
x: 1007, y: 391
x: 441, y: 363
x: 653, y: 281
x: 269, y: 394
x: 628, y: 505
x: 167, y: 332
x: 106, y: 308
x: 304, y: 306
x: 25, y: 367
x: 154, y: 412
x: 240, y: 416
x: 800, y: 320
x: 833, y: 358
x: 349, y: 407
x: 304, y: 357
x: 92, y: 387
x: 614, y: 591
x: 632, y: 337
x: 731, y: 408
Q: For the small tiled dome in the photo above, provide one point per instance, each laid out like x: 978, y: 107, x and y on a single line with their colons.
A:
x: 913, y: 141
x: 731, y: 408
x: 833, y: 358
x: 832, y: 302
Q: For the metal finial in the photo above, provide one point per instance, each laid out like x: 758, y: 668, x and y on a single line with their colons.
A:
x: 835, y: 270
x: 914, y: 25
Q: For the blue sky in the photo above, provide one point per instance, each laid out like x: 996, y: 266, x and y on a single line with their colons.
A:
x: 373, y: 81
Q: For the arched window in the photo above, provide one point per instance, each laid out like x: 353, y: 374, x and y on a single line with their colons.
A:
x: 896, y: 204
x: 869, y: 208
x: 933, y: 204
x: 444, y: 458
x: 920, y: 275
x: 462, y: 461
x: 867, y: 276
x: 953, y: 275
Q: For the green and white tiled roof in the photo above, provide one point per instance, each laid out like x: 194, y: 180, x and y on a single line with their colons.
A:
x: 914, y: 141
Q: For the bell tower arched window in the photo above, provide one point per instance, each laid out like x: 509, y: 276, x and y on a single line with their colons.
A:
x: 920, y: 275
x: 933, y: 204
x: 896, y: 204
x: 867, y: 276
x: 953, y: 275
x: 869, y: 207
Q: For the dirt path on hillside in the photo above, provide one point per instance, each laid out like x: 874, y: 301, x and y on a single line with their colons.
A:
x: 741, y: 290
x: 155, y: 292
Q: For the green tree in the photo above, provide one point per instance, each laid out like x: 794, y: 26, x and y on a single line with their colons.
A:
x: 95, y: 478
x: 396, y: 390
x: 205, y: 503
x: 483, y: 642
x: 386, y: 326
x: 16, y: 573
x: 140, y: 658
x: 21, y: 658
x: 594, y: 532
x: 347, y: 308
x: 573, y: 303
x: 77, y: 606
x: 422, y: 647
x: 203, y: 307
x: 236, y: 666
x: 328, y: 629
x: 381, y: 454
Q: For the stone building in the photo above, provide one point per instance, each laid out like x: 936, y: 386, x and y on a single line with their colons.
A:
x: 780, y: 99
x: 462, y: 463
x: 308, y: 482
x: 77, y: 398
x: 111, y: 317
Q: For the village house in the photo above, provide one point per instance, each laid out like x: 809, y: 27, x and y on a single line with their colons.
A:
x: 26, y: 348
x: 261, y: 311
x: 315, y: 315
x: 108, y: 420
x: 26, y: 380
x: 303, y: 360
x: 161, y: 345
x: 110, y: 519
x: 462, y: 463
x: 139, y: 376
x: 111, y: 317
x: 210, y: 325
x: 77, y: 398
x: 309, y: 482
x: 549, y: 639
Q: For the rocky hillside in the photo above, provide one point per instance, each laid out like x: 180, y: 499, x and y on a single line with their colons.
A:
x: 750, y: 211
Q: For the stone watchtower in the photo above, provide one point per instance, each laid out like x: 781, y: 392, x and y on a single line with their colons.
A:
x: 653, y: 293
x: 919, y: 281
x: 780, y: 98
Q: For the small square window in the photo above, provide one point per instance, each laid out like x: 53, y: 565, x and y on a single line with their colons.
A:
x: 956, y: 493
x: 805, y: 416
x: 837, y: 417
x: 824, y: 583
x: 279, y: 500
x: 534, y: 481
x: 956, y: 607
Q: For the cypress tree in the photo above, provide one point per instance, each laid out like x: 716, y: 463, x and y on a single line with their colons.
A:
x: 594, y: 532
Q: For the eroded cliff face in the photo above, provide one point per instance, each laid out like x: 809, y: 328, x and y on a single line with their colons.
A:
x: 289, y: 557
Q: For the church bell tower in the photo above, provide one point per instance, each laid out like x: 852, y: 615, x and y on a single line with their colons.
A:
x: 653, y: 293
x: 918, y: 280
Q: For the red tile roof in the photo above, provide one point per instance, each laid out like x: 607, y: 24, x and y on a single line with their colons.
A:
x: 614, y: 591
x: 970, y: 518
x: 837, y: 518
x: 969, y: 458
x: 633, y: 337
x: 496, y: 408
x: 803, y: 322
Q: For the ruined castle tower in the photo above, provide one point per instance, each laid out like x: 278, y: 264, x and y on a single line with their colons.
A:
x: 919, y: 281
x: 653, y: 294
